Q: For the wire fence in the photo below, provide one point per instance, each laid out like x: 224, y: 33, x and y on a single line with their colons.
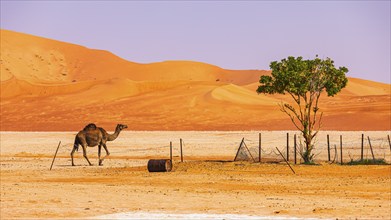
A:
x: 340, y: 147
x: 337, y: 147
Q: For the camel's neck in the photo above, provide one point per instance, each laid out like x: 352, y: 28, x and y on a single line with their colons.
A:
x: 114, y: 136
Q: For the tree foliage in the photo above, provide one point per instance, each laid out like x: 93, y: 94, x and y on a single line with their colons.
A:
x: 304, y: 81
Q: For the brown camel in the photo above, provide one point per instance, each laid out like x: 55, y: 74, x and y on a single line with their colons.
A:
x: 92, y: 136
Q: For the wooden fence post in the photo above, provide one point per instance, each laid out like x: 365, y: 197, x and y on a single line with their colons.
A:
x: 181, y: 150
x: 59, y: 143
x: 389, y: 142
x: 260, y: 146
x: 340, y: 142
x: 171, y: 151
x: 285, y: 160
x: 295, y: 146
x: 328, y: 147
x: 287, y: 146
x: 370, y: 145
x: 362, y: 147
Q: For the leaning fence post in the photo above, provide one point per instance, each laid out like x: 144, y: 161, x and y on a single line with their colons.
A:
x: 340, y: 142
x: 370, y: 145
x: 389, y: 142
x: 328, y: 147
x: 55, y: 154
x: 285, y: 160
x: 171, y: 151
x: 181, y: 150
x: 362, y: 147
x: 287, y: 146
x: 260, y: 146
x: 294, y: 144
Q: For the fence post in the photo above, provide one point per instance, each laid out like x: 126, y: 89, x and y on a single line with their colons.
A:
x: 370, y: 145
x: 260, y: 147
x: 55, y: 154
x: 362, y: 147
x: 171, y: 151
x: 287, y: 146
x: 328, y: 147
x: 180, y: 140
x: 285, y: 160
x: 389, y: 142
x: 340, y: 142
x: 295, y: 146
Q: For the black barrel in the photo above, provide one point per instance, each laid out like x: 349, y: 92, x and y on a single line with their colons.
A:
x: 164, y: 165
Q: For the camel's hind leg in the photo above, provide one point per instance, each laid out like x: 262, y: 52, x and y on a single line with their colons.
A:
x: 75, y: 148
x: 99, y: 150
x: 85, y: 154
x: 107, y: 154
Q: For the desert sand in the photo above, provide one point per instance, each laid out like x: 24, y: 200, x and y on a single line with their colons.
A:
x: 206, y: 184
x: 55, y: 88
x: 58, y: 86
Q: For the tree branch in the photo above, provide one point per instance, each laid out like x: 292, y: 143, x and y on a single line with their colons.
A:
x: 316, y: 108
x: 284, y: 107
x: 298, y: 102
x: 320, y: 125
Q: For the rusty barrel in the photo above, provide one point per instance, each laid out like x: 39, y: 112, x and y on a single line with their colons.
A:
x: 164, y: 165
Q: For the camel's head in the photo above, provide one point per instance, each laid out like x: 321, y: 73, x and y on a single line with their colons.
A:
x: 121, y: 127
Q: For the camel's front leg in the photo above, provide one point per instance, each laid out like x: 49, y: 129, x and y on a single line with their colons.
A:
x: 85, y: 154
x: 73, y: 151
x: 107, y: 151
x: 107, y: 154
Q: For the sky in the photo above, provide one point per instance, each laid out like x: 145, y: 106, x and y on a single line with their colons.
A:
x: 229, y: 34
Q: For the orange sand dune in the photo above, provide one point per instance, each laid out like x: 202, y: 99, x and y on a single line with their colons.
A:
x: 47, y: 85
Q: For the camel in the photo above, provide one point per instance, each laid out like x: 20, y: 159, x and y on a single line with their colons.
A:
x: 92, y: 136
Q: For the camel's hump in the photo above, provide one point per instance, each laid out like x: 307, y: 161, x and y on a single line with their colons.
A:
x: 90, y: 126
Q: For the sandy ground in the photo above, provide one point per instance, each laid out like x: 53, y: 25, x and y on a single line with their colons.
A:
x: 204, y: 184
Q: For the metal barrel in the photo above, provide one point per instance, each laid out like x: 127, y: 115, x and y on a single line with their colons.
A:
x: 164, y: 165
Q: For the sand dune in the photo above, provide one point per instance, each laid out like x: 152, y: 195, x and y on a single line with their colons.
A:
x: 40, y: 60
x: 60, y: 86
x: 239, y: 95
x: 360, y: 87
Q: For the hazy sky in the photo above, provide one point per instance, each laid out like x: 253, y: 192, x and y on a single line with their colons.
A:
x: 229, y: 34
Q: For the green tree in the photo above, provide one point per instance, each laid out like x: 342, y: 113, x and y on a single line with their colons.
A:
x: 304, y: 81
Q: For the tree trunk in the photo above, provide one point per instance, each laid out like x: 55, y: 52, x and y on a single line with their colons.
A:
x: 308, y: 146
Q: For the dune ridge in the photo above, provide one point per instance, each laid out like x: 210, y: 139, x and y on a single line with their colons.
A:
x: 58, y: 86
